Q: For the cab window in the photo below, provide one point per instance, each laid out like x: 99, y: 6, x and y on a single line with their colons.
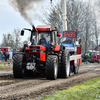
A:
x: 44, y: 39
x: 53, y: 38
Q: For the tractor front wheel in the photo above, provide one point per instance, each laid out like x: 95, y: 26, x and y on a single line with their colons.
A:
x: 18, y: 70
x: 51, y: 68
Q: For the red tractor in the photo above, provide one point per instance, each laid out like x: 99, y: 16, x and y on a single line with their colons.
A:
x: 44, y: 55
x: 95, y: 58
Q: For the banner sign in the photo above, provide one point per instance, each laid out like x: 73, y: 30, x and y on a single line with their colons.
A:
x: 69, y: 34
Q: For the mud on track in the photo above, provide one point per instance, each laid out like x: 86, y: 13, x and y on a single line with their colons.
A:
x: 34, y: 87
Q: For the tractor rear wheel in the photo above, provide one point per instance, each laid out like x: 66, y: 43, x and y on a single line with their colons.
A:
x: 18, y: 70
x: 65, y: 67
x: 59, y: 66
x: 51, y: 68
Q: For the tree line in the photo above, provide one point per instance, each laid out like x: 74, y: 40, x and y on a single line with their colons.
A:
x: 13, y: 39
x: 82, y: 15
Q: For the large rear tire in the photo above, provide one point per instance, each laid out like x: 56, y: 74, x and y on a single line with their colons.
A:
x: 65, y: 67
x: 59, y: 66
x: 51, y: 67
x: 18, y: 69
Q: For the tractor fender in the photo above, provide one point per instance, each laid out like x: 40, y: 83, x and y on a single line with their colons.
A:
x: 58, y: 48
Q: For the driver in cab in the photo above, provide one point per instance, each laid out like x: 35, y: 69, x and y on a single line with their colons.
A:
x: 42, y: 41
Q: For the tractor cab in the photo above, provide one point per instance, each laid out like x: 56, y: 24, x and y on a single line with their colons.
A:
x: 43, y: 35
x: 46, y: 36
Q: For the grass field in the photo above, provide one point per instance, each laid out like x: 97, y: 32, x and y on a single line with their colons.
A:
x: 8, y: 63
x: 89, y: 90
x: 4, y: 66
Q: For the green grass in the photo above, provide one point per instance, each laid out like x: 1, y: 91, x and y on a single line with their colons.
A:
x: 85, y: 91
x: 4, y: 66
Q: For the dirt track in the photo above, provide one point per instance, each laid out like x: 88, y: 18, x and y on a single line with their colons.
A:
x: 31, y: 88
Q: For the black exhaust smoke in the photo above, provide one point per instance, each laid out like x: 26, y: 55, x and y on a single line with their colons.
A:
x: 26, y: 8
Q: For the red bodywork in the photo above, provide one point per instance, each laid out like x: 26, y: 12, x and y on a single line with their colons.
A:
x: 57, y: 48
x: 40, y: 50
x: 44, y: 28
x: 98, y: 56
x: 94, y: 58
x: 79, y: 50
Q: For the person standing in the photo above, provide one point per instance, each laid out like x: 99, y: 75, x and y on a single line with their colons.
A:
x: 85, y: 59
x: 5, y: 54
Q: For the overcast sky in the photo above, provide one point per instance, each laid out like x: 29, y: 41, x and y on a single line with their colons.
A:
x: 10, y: 19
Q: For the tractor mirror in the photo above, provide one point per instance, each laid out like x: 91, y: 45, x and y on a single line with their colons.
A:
x: 59, y: 34
x: 22, y: 32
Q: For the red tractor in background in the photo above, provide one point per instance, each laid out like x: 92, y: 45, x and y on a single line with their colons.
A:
x: 95, y: 58
x: 44, y: 55
x: 98, y: 57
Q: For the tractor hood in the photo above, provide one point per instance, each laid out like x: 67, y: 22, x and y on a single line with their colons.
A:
x: 36, y: 47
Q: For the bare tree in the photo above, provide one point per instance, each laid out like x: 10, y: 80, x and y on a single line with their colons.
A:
x: 12, y: 39
x: 79, y: 16
x: 17, y: 38
x: 97, y: 21
x: 7, y: 40
x: 52, y: 16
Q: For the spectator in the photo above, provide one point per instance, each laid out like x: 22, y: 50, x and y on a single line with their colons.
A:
x: 85, y: 59
x: 5, y: 54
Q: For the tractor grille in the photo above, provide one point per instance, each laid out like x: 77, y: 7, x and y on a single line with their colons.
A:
x: 38, y: 51
x: 36, y: 56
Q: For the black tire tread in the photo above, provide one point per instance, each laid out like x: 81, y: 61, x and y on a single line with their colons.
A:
x: 65, y: 53
x: 59, y: 66
x: 17, y: 66
x: 51, y: 59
